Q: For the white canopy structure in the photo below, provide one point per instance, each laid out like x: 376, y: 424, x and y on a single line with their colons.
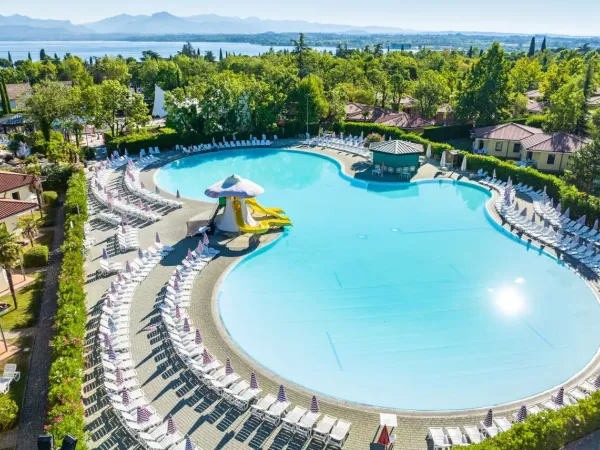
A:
x: 159, y: 102
x: 233, y: 188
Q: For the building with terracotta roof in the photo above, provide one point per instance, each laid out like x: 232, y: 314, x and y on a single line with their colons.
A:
x: 358, y: 112
x: 548, y: 151
x: 17, y: 186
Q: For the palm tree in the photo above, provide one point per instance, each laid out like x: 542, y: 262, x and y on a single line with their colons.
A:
x: 10, y: 256
x: 365, y: 114
x: 29, y: 226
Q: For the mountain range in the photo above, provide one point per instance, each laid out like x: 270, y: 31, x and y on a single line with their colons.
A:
x: 163, y: 23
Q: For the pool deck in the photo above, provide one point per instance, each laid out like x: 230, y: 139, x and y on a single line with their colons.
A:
x: 173, y: 390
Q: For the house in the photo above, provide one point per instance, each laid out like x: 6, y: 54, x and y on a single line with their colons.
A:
x: 17, y: 94
x: 358, y: 112
x: 535, y: 102
x: 547, y: 151
x: 17, y: 186
x: 396, y: 154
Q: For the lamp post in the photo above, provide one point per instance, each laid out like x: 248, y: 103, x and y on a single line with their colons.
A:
x: 307, y: 135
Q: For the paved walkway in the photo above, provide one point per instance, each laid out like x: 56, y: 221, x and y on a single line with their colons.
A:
x: 173, y: 390
x: 21, y: 332
x: 32, y: 416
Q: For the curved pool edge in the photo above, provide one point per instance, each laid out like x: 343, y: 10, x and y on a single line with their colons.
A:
x: 585, y: 372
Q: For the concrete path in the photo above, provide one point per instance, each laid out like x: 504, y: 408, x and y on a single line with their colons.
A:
x: 32, y: 416
x: 21, y: 332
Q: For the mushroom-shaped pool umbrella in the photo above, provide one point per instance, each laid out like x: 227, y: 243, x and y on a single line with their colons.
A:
x: 171, y: 427
x: 494, y: 174
x: 239, y: 188
x: 104, y: 253
x: 156, y: 190
x: 314, y: 405
x: 560, y: 397
x: 205, y: 240
x: 188, y: 444
x: 142, y: 185
x: 228, y: 367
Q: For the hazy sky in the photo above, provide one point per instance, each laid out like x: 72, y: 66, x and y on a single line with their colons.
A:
x: 576, y: 17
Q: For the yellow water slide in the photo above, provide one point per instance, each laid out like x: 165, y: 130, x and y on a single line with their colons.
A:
x: 257, y: 207
x: 261, y: 228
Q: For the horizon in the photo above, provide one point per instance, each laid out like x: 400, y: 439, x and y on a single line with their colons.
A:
x: 439, y: 18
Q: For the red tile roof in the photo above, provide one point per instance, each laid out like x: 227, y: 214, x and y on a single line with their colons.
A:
x: 384, y: 116
x: 13, y: 180
x: 507, y: 132
x: 11, y: 207
x: 17, y: 90
x: 554, y: 142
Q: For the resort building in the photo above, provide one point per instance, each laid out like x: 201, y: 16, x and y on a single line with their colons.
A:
x: 17, y: 94
x: 546, y: 151
x: 396, y: 154
x: 358, y: 112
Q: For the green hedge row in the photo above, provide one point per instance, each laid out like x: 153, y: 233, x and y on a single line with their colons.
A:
x: 569, y: 196
x: 355, y: 128
x: 167, y: 138
x: 65, y: 405
x: 549, y: 430
x: 443, y: 134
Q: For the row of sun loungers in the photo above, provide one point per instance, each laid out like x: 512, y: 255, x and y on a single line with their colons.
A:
x: 133, y: 185
x: 350, y: 145
x: 492, y: 426
x: 222, y: 145
x: 222, y: 379
x: 127, y: 238
x: 127, y: 399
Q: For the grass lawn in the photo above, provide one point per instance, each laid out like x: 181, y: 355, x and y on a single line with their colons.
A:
x: 28, y: 299
x: 45, y: 237
x: 21, y: 359
x: 461, y: 144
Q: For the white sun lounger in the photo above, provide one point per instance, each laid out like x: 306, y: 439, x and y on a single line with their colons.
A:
x: 291, y: 419
x: 338, y: 435
x: 321, y: 432
x: 263, y: 404
x: 475, y: 436
x: 243, y: 400
x: 439, y: 438
x: 502, y: 423
x: 457, y: 438
x: 274, y: 413
x: 306, y: 424
x: 230, y: 392
x: 577, y: 394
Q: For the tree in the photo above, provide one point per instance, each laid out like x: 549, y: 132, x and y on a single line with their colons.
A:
x: 531, y: 51
x: 220, y: 54
x: 10, y: 58
x: 113, y: 105
x: 149, y: 54
x: 309, y: 96
x: 47, y: 103
x: 588, y: 90
x: 470, y: 52
x: 4, y: 100
x: 209, y: 56
x: 526, y: 74
x: 75, y: 70
x: 111, y: 69
x: 29, y: 227
x: 187, y: 50
x: 43, y: 55
x: 485, y: 96
x: 584, y: 167
x: 595, y: 123
x: 162, y: 72
x: 10, y: 256
x: 29, y: 56
x: 399, y: 85
x: 543, y: 47
x: 300, y: 49
x: 566, y: 108
x: 429, y: 92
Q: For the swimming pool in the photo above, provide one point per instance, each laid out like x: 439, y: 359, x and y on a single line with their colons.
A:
x: 403, y: 296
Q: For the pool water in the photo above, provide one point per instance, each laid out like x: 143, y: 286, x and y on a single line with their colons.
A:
x: 405, y: 296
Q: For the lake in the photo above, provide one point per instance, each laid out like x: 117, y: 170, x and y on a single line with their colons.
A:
x: 85, y: 49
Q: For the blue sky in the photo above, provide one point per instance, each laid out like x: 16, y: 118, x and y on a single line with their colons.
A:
x: 576, y: 17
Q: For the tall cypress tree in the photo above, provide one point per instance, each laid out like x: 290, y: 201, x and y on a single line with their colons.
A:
x: 580, y: 128
x: 401, y: 47
x: 543, y: 47
x: 10, y: 57
x: 220, y: 54
x: 42, y: 55
x: 531, y: 51
x: 4, y: 102
x: 470, y: 54
x: 29, y: 56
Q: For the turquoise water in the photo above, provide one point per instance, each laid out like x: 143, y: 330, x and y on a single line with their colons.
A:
x: 406, y: 297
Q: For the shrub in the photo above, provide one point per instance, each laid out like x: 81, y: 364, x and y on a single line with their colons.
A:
x: 443, y: 134
x: 36, y: 256
x: 56, y: 176
x: 373, y: 137
x: 50, y: 198
x: 536, y: 121
x: 9, y: 411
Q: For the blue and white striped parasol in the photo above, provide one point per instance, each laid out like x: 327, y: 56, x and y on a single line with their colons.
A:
x: 186, y: 325
x: 198, y: 339
x: 281, y: 395
x: 143, y: 414
x: 171, y: 427
x: 489, y: 419
x: 254, y: 381
x: 522, y: 415
x: 125, y: 397
x: 560, y: 397
x: 228, y: 367
x: 314, y: 405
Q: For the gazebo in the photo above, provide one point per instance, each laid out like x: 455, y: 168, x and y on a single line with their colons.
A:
x: 396, y: 154
x: 234, y: 188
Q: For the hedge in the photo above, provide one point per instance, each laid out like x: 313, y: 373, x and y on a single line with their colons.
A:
x: 443, y: 134
x: 65, y: 405
x: 167, y: 138
x: 549, y: 430
x: 56, y: 176
x: 355, y: 128
x: 9, y: 411
x: 569, y: 196
x: 36, y: 256
x: 50, y: 198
